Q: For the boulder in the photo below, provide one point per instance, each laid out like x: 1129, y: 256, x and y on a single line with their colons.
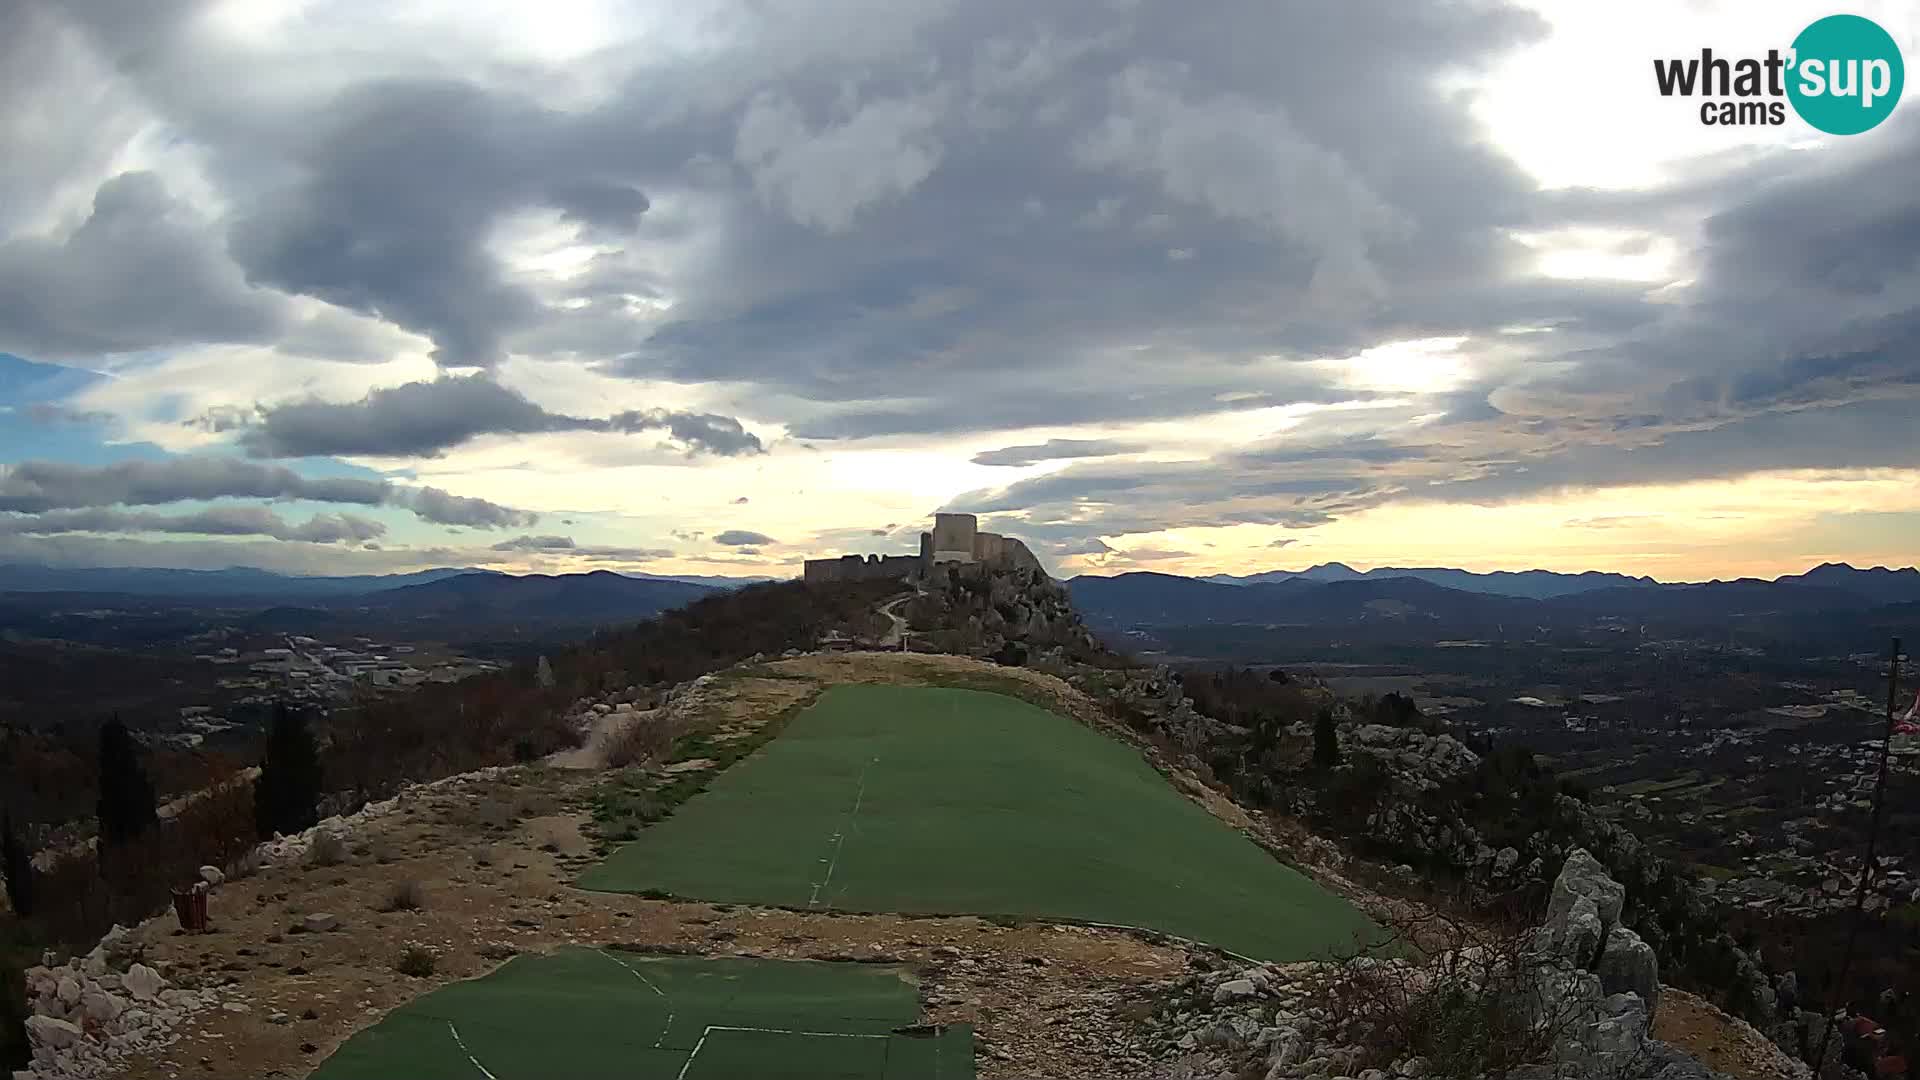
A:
x: 213, y: 876
x: 1627, y: 966
x: 1575, y: 940
x: 1234, y: 990
x: 101, y: 1006
x: 45, y: 1031
x: 1505, y: 860
x: 142, y: 982
x: 320, y: 923
x: 68, y: 990
x: 1583, y: 875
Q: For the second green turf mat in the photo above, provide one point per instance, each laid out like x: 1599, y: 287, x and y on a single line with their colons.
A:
x: 938, y: 801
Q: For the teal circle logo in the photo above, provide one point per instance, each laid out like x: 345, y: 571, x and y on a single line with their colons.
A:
x: 1846, y: 74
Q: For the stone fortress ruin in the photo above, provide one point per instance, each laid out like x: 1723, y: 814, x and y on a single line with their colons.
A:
x: 956, y: 538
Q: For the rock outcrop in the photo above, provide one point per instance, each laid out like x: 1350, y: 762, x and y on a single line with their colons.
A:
x: 1582, y: 987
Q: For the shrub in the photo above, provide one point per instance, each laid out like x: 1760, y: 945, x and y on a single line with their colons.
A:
x: 416, y: 962
x: 328, y: 850
x: 641, y: 741
x: 1475, y: 1009
x: 406, y: 895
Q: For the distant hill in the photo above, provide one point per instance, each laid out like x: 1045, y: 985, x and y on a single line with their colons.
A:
x: 1534, y: 584
x: 233, y: 582
x: 245, y: 582
x: 1340, y: 596
x: 600, y: 596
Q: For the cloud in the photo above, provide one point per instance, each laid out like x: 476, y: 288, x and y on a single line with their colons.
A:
x: 426, y: 419
x: 433, y: 504
x: 1284, y: 541
x: 1055, y: 449
x: 35, y: 486
x: 742, y: 538
x: 141, y: 272
x: 564, y: 546
x: 536, y: 543
x: 218, y: 521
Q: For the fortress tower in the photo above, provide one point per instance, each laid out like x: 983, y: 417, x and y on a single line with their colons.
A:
x: 954, y: 536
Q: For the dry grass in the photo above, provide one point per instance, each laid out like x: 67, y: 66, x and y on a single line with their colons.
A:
x: 641, y: 741
x: 416, y: 962
x: 406, y: 895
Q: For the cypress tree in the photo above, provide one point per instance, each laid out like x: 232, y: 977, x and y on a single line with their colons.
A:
x: 286, y: 798
x: 1326, y: 741
x: 18, y: 866
x: 126, y: 805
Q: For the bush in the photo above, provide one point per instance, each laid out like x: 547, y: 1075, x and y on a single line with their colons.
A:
x: 406, y: 895
x: 328, y: 850
x: 1475, y: 1009
x: 641, y: 741
x: 416, y: 962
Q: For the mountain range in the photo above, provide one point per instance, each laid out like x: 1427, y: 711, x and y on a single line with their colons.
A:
x: 243, y: 582
x: 1326, y: 596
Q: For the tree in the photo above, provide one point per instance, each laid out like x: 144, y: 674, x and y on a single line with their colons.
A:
x: 15, y: 1051
x: 18, y: 866
x: 126, y: 805
x: 286, y: 798
x: 1326, y: 741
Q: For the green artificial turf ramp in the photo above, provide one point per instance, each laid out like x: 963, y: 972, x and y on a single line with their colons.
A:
x: 915, y: 799
x: 604, y: 1015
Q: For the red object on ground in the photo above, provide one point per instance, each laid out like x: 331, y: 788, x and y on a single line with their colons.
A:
x: 191, y: 906
x: 1891, y: 1067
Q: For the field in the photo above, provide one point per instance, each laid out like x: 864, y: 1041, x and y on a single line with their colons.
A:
x: 600, y: 1015
x: 942, y: 801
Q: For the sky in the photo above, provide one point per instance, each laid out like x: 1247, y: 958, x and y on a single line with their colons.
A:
x: 716, y: 286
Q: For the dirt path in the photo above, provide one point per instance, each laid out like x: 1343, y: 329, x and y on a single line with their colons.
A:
x: 898, y: 631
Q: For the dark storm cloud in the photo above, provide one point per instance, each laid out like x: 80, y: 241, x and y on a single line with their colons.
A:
x: 742, y: 538
x: 218, y: 521
x: 425, y: 419
x: 37, y: 486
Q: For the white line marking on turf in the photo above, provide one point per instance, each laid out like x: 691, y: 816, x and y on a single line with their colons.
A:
x: 668, y: 1026
x: 766, y: 1031
x: 463, y: 1049
x: 840, y: 838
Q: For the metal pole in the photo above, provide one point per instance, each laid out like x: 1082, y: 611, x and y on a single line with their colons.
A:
x: 1873, y: 839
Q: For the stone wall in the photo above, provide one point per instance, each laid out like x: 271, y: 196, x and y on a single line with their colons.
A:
x: 861, y: 568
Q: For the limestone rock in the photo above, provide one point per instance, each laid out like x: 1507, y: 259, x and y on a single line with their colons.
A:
x: 45, y: 1031
x: 213, y: 876
x: 69, y: 990
x: 1627, y: 965
x: 142, y: 982
x: 1583, y: 875
x: 101, y: 1005
x: 320, y: 923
